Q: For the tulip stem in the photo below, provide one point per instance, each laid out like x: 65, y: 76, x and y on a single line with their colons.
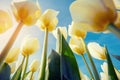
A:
x: 114, y: 29
x: 31, y: 76
x: 92, y: 64
x: 59, y: 41
x: 88, y: 67
x: 4, y: 52
x: 44, y: 56
x: 25, y: 68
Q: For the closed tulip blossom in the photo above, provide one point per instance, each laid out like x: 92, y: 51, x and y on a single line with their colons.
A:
x: 63, y: 31
x: 104, y: 74
x: 77, y: 45
x: 96, y: 50
x: 34, y: 66
x: 26, y: 12
x: 76, y: 31
x: 12, y: 55
x: 5, y: 21
x: 48, y: 20
x: 29, y: 46
x: 93, y: 15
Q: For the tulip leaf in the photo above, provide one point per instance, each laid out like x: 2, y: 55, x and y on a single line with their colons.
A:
x: 69, y: 67
x: 117, y: 57
x: 111, y: 71
x: 54, y: 66
x: 17, y: 74
x: 5, y: 72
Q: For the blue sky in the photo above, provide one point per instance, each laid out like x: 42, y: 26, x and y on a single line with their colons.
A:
x: 64, y: 17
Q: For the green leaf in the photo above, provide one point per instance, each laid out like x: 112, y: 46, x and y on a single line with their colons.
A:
x: 69, y: 67
x: 117, y: 57
x: 17, y: 74
x: 5, y: 72
x: 26, y: 74
x: 111, y: 71
x: 54, y: 66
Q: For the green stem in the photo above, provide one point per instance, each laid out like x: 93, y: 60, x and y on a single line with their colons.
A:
x: 114, y: 29
x: 4, y: 52
x: 44, y: 56
x: 59, y: 41
x: 92, y: 64
x: 87, y: 67
x: 25, y: 68
x: 31, y: 76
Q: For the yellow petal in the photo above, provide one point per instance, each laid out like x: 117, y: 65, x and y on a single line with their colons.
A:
x: 29, y: 46
x: 49, y: 20
x: 63, y: 31
x: 5, y: 21
x: 26, y: 11
x: 76, y: 30
x: 77, y: 45
x: 96, y: 50
x: 34, y: 65
x: 94, y: 13
x: 12, y: 55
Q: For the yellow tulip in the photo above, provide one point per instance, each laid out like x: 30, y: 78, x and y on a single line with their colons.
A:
x: 83, y: 76
x: 96, y: 14
x: 63, y: 31
x: 96, y: 50
x: 29, y: 46
x: 5, y: 21
x: 104, y: 74
x: 76, y: 30
x: 77, y: 45
x: 12, y: 55
x: 48, y: 20
x: 12, y: 67
x: 34, y: 66
x: 26, y: 11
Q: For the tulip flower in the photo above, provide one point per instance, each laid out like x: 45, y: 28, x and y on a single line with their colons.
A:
x: 34, y: 66
x: 29, y: 46
x: 26, y: 12
x: 63, y: 31
x: 83, y: 76
x: 104, y: 74
x: 5, y: 21
x: 93, y: 16
x: 77, y: 45
x: 12, y: 55
x: 96, y: 50
x: 47, y: 23
x: 75, y: 30
x: 48, y: 20
x: 12, y: 67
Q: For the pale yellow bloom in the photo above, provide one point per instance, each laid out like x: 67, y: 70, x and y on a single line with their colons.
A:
x: 5, y: 21
x: 29, y: 46
x: 96, y: 50
x: 48, y: 20
x: 26, y: 11
x: 93, y: 15
x: 76, y: 30
x: 63, y: 31
x: 34, y: 65
x: 83, y: 76
x: 104, y: 74
x: 77, y: 45
x: 12, y: 67
x: 12, y: 55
